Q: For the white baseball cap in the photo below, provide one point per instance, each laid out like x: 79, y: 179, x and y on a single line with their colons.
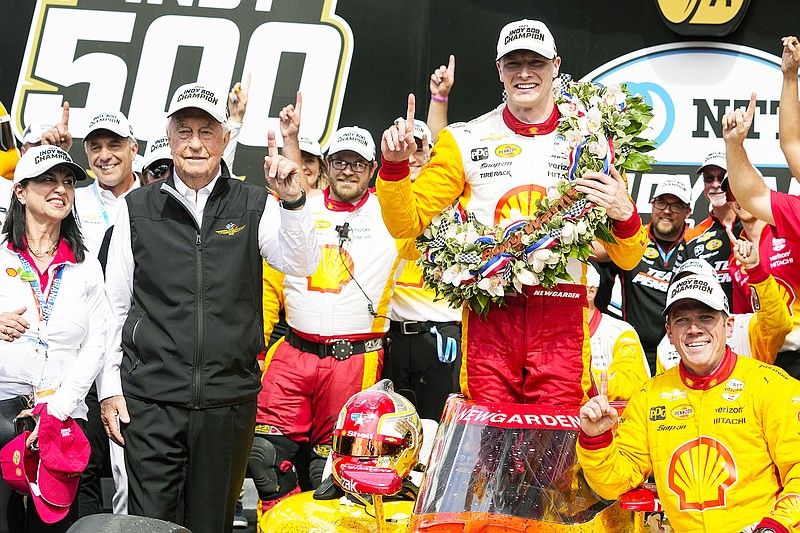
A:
x: 309, y: 145
x: 34, y: 131
x: 421, y: 128
x: 39, y: 159
x: 354, y: 139
x: 155, y: 150
x: 698, y: 287
x: 526, y: 34
x: 197, y: 96
x: 675, y: 186
x: 114, y: 121
x: 694, y: 266
x: 716, y: 158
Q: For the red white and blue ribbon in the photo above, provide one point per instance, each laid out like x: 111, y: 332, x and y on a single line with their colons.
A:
x: 496, y: 264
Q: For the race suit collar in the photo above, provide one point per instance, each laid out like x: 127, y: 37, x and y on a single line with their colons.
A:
x: 719, y: 375
x: 530, y: 130
x: 335, y: 205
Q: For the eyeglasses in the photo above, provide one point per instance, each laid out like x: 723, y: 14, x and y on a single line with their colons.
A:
x: 357, y: 166
x: 710, y: 178
x: 157, y: 172
x: 675, y: 207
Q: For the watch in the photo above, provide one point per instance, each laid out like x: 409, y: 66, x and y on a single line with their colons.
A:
x: 300, y: 202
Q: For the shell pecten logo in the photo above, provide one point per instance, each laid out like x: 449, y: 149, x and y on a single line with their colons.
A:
x: 519, y: 201
x: 700, y: 472
x: 334, y: 270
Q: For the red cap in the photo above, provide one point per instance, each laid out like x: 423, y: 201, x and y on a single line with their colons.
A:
x: 20, y: 467
x: 64, y: 455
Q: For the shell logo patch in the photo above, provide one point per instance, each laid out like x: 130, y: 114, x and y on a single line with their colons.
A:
x: 13, y: 273
x: 650, y: 253
x: 682, y: 412
x: 16, y: 457
x: 231, y: 229
x: 508, y: 150
x: 713, y: 245
x: 334, y: 270
x: 518, y: 202
x: 700, y: 472
x: 788, y: 505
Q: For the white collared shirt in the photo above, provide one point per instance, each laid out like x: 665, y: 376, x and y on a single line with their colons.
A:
x: 286, y: 240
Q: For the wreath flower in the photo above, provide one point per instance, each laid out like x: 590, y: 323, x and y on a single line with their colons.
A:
x: 472, y: 264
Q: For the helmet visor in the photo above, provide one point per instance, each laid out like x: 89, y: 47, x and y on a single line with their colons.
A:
x: 364, y: 447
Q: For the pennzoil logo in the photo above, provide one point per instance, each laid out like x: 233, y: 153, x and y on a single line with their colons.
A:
x: 650, y: 253
x: 508, y: 150
x: 97, y: 54
x: 702, y: 17
x: 713, y: 245
x: 230, y: 228
x: 682, y: 412
x: 700, y: 472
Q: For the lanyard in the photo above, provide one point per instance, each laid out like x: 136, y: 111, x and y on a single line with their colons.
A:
x: 102, y: 205
x: 44, y: 307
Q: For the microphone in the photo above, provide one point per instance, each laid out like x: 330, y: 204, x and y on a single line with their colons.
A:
x: 343, y: 231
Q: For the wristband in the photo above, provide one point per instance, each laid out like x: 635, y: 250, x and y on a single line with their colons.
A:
x: 300, y: 202
x: 438, y: 98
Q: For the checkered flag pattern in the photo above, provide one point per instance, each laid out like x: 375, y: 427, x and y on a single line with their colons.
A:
x: 576, y: 210
x: 468, y: 258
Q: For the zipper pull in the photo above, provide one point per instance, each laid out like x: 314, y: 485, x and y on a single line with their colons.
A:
x: 198, y: 239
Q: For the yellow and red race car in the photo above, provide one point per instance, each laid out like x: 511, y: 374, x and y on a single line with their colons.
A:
x: 493, y: 468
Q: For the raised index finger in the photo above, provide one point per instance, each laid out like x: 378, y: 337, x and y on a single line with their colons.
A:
x: 751, y: 108
x: 246, y: 88
x: 603, y: 389
x: 65, y: 115
x: 412, y: 104
x: 731, y: 237
x: 451, y: 66
x: 272, y: 145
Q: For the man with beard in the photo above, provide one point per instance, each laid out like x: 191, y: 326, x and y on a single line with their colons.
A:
x: 337, y: 321
x: 708, y: 240
x: 644, y: 288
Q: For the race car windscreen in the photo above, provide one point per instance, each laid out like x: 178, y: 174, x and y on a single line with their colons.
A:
x: 509, y: 463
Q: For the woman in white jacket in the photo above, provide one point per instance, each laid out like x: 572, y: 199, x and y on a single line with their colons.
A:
x: 52, y: 324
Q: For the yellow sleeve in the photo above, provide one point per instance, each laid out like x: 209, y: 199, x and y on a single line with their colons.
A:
x: 626, y: 253
x: 781, y: 429
x: 407, y: 249
x: 624, y: 463
x: 628, y: 369
x: 771, y: 322
x: 407, y: 207
x: 272, y: 300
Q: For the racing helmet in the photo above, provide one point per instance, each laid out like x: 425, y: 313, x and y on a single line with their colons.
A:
x: 376, y: 441
x: 9, y: 155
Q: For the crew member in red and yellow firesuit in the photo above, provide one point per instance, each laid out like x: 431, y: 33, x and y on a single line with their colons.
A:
x: 719, y: 432
x: 337, y: 319
x: 536, y: 348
